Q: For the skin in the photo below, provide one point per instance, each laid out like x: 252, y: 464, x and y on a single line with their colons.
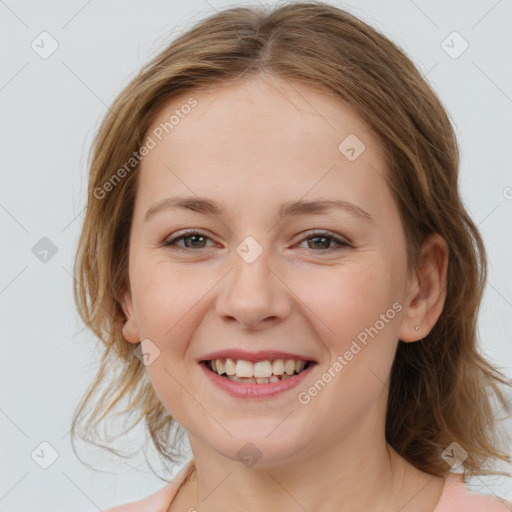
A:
x: 252, y: 146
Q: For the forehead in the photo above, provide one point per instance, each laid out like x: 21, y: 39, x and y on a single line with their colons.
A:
x: 262, y: 135
x: 277, y: 111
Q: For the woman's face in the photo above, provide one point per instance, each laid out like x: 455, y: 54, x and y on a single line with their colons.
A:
x: 254, y: 276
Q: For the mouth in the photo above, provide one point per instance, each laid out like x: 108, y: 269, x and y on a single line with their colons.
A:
x: 266, y: 371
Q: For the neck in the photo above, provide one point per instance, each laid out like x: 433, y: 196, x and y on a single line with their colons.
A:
x: 351, y: 476
x: 343, y: 471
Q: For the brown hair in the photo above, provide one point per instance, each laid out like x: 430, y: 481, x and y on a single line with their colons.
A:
x: 441, y: 387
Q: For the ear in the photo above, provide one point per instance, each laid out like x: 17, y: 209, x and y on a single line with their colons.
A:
x: 425, y: 299
x: 130, y: 326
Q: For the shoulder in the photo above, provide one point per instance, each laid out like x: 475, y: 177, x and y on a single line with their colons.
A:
x: 456, y: 497
x: 161, y: 499
x: 156, y: 502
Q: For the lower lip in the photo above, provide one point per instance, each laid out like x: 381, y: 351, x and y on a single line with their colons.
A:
x: 240, y: 390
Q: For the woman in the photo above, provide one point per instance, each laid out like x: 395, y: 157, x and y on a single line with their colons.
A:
x: 277, y: 259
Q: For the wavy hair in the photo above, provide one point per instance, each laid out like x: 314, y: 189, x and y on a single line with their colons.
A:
x: 441, y: 387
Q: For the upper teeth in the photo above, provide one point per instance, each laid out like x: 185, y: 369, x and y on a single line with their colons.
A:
x: 259, y: 369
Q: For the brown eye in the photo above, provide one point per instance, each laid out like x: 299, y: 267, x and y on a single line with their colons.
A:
x: 323, y: 239
x: 191, y: 240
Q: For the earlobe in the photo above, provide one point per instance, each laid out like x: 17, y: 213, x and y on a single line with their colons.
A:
x: 427, y: 291
x: 130, y: 327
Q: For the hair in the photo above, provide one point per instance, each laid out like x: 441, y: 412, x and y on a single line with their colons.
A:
x: 441, y: 387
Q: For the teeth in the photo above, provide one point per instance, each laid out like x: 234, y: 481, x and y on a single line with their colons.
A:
x: 229, y: 367
x: 289, y: 366
x: 244, y: 368
x: 262, y: 369
x: 261, y: 372
x: 278, y: 367
x: 299, y: 366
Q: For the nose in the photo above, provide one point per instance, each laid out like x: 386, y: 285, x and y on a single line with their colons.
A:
x: 254, y: 295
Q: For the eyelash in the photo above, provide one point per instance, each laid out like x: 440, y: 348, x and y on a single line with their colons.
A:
x: 315, y: 234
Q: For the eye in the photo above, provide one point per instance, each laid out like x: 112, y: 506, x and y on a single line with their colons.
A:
x: 197, y: 240
x: 322, y: 238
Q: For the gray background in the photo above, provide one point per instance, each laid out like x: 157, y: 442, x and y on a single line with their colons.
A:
x: 50, y: 109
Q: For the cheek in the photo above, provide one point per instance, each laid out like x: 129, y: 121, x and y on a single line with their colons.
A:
x: 360, y: 307
x: 165, y: 295
x: 347, y: 299
x: 357, y: 316
x: 168, y: 305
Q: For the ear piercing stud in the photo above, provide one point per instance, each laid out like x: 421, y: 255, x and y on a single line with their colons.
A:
x: 416, y: 327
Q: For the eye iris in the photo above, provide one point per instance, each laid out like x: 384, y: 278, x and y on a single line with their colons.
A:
x: 185, y: 238
x: 320, y: 237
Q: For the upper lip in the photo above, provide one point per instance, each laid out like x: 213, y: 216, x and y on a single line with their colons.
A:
x: 261, y: 355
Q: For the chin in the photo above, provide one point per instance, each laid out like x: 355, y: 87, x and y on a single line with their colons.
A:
x: 258, y: 450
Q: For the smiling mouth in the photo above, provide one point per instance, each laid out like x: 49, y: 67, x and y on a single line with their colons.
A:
x: 259, y: 372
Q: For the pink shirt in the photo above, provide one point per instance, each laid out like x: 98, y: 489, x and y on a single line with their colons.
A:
x: 455, y: 497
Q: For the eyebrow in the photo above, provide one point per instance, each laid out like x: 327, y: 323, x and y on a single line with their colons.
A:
x: 207, y: 206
